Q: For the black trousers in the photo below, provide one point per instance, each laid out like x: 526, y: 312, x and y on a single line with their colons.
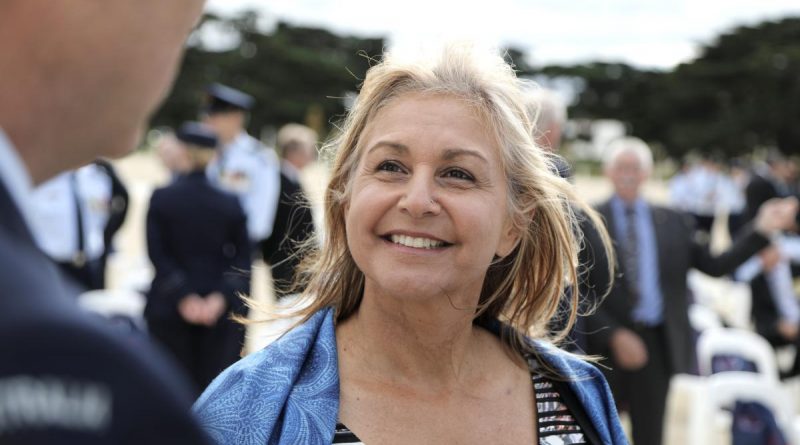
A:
x: 643, y: 393
x: 202, y: 351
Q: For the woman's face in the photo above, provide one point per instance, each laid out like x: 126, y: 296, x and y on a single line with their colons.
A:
x: 428, y: 206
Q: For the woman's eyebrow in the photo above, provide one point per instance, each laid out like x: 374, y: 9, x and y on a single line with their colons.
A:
x: 452, y: 153
x: 394, y: 146
x: 448, y: 155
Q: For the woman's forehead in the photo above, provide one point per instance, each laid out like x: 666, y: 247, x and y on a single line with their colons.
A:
x: 410, y: 114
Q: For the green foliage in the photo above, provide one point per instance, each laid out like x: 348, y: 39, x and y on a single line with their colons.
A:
x: 741, y: 93
x: 296, y: 74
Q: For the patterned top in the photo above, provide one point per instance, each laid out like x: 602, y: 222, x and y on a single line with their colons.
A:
x: 557, y: 426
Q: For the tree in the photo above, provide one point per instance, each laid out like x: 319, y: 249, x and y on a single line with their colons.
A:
x: 742, y: 92
x: 293, y: 72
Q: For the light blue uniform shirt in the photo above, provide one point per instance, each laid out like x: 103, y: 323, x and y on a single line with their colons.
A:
x: 250, y: 170
x: 55, y: 219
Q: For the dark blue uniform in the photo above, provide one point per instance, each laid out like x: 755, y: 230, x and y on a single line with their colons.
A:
x: 197, y: 241
x: 66, y: 377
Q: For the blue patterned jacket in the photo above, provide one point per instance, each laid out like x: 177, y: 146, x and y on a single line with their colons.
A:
x: 288, y: 393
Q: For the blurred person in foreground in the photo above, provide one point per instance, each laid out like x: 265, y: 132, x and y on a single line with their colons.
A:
x: 294, y: 223
x: 448, y: 237
x: 243, y: 166
x: 642, y: 327
x: 65, y: 376
x: 197, y: 242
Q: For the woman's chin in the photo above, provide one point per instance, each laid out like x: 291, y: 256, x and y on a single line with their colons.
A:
x: 420, y: 292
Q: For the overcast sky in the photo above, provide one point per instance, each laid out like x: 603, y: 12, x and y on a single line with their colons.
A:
x: 646, y: 33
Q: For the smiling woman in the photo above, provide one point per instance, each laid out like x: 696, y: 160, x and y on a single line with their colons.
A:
x: 431, y: 177
x: 449, y: 240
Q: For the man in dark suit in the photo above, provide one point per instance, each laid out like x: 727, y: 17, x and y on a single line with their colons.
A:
x: 642, y: 327
x: 294, y: 223
x: 66, y: 377
x: 197, y: 241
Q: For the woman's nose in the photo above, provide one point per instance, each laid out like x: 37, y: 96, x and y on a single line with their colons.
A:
x: 419, y: 199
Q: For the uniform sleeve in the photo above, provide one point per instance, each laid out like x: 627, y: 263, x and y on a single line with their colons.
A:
x: 170, y: 282
x: 263, y: 201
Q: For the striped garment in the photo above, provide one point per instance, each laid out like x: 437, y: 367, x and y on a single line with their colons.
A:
x: 556, y: 424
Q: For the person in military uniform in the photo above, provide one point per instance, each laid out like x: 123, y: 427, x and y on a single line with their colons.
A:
x: 244, y: 165
x: 80, y: 80
x: 75, y: 217
x: 294, y: 223
x: 197, y: 241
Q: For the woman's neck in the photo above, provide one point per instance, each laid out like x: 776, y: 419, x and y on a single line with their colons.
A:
x: 421, y: 343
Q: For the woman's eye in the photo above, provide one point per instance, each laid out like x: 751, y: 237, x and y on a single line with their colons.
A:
x: 458, y: 174
x: 390, y: 166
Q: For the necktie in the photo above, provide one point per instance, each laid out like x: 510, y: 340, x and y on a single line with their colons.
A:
x: 631, y: 251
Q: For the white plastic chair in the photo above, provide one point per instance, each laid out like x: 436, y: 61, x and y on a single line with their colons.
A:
x: 687, y: 407
x: 696, y: 407
x: 730, y: 299
x: 703, y: 317
x: 738, y: 342
x: 725, y: 388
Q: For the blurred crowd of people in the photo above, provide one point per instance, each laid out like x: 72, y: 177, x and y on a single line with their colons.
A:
x: 230, y: 199
x: 731, y: 194
x: 642, y: 326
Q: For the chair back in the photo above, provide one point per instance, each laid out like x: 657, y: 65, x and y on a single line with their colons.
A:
x: 721, y: 345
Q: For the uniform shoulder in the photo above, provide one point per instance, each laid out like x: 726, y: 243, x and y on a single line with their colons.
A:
x: 120, y: 378
x: 93, y: 346
x: 226, y: 200
x: 164, y: 191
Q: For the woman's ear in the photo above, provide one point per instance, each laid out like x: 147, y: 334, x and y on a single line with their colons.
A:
x: 509, y: 239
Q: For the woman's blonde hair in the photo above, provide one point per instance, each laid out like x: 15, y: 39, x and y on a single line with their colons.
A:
x: 524, y: 288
